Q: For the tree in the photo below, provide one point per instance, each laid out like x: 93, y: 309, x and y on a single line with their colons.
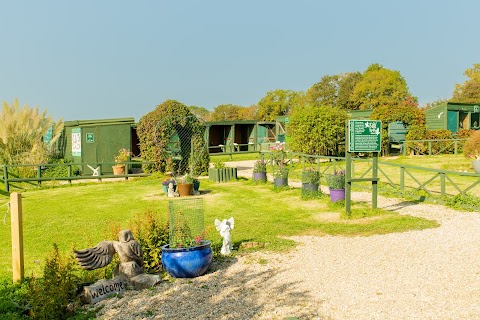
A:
x: 380, y: 87
x: 278, y: 103
x: 200, y: 112
x: 316, y: 130
x: 469, y: 91
x: 249, y: 113
x: 347, y: 84
x: 22, y: 132
x: 155, y: 131
x: 334, y: 90
x: 226, y: 112
x: 325, y: 92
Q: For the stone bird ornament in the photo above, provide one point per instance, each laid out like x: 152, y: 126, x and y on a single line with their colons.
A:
x: 225, y: 227
x: 127, y: 248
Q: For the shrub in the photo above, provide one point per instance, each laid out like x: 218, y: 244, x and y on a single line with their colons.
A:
x: 61, y: 170
x: 54, y: 295
x: 259, y: 166
x: 152, y: 233
x: 471, y: 149
x: 316, y: 130
x: 441, y: 146
x: 155, y: 130
x: 13, y: 300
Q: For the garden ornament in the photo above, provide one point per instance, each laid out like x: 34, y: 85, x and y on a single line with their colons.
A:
x: 129, y: 253
x: 128, y: 273
x: 225, y: 227
x: 171, y: 191
x: 95, y: 170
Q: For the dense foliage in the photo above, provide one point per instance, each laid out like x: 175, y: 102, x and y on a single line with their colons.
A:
x: 155, y: 130
x: 469, y: 91
x: 316, y: 130
x: 22, y: 131
x: 278, y: 103
x: 471, y: 149
x: 380, y: 87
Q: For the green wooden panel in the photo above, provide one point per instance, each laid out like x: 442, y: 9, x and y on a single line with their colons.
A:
x: 436, y: 118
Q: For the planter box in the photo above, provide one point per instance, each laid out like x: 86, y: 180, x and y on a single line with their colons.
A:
x: 222, y: 174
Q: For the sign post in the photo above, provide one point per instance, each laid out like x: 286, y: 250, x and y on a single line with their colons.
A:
x: 362, y: 136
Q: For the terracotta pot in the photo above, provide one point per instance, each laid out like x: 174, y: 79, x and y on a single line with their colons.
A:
x: 185, y: 189
x: 118, y: 169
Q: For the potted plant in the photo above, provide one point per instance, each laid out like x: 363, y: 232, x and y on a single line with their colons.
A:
x: 280, y: 175
x: 185, y: 185
x: 336, y: 184
x: 220, y: 173
x: 260, y: 171
x: 165, y: 183
x: 188, y: 254
x: 196, y: 185
x: 471, y: 149
x: 310, y: 181
x: 123, y: 156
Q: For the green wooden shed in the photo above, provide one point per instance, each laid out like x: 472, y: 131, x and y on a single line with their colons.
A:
x: 238, y: 135
x: 453, y: 116
x: 96, y: 141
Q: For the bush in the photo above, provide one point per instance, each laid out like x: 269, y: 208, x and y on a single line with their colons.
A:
x: 152, y: 233
x: 61, y: 170
x: 55, y: 295
x: 471, y: 149
x: 13, y: 300
x: 316, y: 130
x: 155, y: 130
x: 444, y: 147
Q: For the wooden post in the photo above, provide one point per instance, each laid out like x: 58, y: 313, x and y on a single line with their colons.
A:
x: 17, y: 236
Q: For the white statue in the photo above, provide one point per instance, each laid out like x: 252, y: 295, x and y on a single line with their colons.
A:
x: 171, y: 192
x: 225, y: 227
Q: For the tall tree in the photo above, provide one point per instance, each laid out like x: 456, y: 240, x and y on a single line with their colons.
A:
x: 335, y: 91
x: 22, y: 131
x: 278, y: 103
x: 325, y: 92
x: 226, y: 112
x: 469, y: 91
x: 380, y: 87
x: 200, y: 112
x: 347, y: 84
x: 249, y: 113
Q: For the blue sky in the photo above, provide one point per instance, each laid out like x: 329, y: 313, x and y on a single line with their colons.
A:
x: 107, y: 59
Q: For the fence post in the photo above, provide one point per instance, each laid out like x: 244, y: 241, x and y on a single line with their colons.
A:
x: 402, y: 179
x: 39, y: 175
x: 429, y: 148
x: 17, y: 236
x: 442, y: 183
x: 5, y: 178
x: 455, y: 144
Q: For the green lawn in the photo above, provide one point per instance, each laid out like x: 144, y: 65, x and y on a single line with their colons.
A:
x: 82, y: 215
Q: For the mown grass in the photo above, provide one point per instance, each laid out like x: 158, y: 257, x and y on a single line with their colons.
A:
x: 83, y: 215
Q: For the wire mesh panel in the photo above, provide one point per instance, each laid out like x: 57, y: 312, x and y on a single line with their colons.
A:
x: 187, y: 225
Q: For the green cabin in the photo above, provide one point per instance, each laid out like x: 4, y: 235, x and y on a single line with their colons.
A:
x: 95, y: 141
x: 453, y: 116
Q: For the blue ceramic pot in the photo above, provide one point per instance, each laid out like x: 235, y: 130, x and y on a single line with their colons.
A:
x: 188, y: 262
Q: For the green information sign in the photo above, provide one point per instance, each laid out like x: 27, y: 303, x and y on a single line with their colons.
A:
x: 287, y: 120
x: 89, y: 138
x: 364, y: 135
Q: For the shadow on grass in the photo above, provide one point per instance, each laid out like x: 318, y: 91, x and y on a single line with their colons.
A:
x: 227, y: 291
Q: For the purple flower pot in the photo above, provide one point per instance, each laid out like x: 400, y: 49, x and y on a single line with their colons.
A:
x: 259, y: 176
x: 337, y: 194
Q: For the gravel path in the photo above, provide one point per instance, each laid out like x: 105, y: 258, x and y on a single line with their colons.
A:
x: 428, y: 274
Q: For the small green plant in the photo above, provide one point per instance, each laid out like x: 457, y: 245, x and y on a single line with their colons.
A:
x: 54, y: 295
x: 280, y: 171
x: 186, y: 179
x: 336, y: 180
x: 218, y: 164
x: 61, y: 169
x: 123, y: 155
x: 259, y: 166
x: 311, y: 176
x: 152, y: 232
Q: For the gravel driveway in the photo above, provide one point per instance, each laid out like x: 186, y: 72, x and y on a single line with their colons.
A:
x: 428, y: 274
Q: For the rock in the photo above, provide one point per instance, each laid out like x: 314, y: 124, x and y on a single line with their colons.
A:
x: 103, y: 289
x: 144, y: 281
